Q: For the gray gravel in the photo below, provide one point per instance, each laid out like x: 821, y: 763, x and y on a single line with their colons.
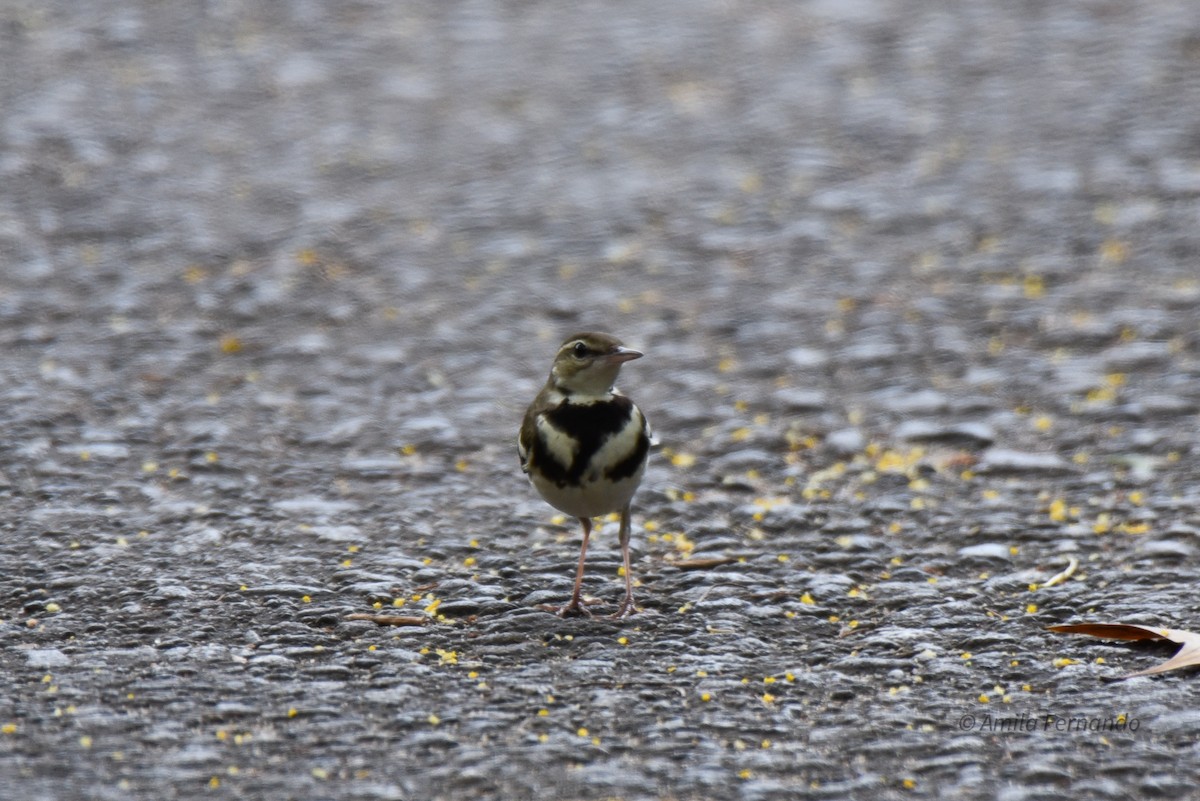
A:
x: 918, y: 287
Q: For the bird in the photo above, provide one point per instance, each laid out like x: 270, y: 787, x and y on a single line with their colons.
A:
x: 584, y: 445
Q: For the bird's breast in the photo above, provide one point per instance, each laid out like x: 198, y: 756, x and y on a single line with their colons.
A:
x: 585, y: 442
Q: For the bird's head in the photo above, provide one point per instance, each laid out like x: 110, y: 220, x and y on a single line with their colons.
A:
x: 587, y: 364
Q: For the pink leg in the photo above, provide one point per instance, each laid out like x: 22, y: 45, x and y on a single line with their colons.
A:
x: 576, y: 605
x: 627, y: 606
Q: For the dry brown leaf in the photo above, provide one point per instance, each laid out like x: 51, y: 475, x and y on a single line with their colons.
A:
x: 701, y: 564
x: 390, y: 620
x: 1187, y: 656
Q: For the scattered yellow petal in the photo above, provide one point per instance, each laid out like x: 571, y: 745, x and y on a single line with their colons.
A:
x: 433, y: 719
x: 1058, y: 510
x: 1063, y: 661
x: 807, y: 599
x: 683, y: 460
x: 1113, y: 251
x: 8, y: 728
x: 230, y: 344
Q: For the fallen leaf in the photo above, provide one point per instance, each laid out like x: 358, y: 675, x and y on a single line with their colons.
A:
x: 389, y: 620
x: 702, y: 564
x: 1187, y: 656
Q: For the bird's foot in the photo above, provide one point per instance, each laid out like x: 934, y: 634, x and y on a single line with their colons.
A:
x: 573, y: 609
x: 626, y: 608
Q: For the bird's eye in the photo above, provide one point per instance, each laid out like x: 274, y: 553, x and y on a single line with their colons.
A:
x: 580, y: 350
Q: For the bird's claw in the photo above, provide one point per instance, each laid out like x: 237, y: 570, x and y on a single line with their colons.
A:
x: 575, y: 608
x: 626, y: 609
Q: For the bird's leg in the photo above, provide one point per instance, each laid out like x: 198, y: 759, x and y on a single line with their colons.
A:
x: 627, y: 606
x: 576, y: 605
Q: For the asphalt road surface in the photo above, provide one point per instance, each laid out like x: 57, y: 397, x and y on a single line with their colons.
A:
x: 918, y: 287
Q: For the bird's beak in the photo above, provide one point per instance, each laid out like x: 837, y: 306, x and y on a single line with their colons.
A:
x: 622, y: 355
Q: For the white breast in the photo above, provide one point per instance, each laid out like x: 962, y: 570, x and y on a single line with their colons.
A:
x: 593, y: 498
